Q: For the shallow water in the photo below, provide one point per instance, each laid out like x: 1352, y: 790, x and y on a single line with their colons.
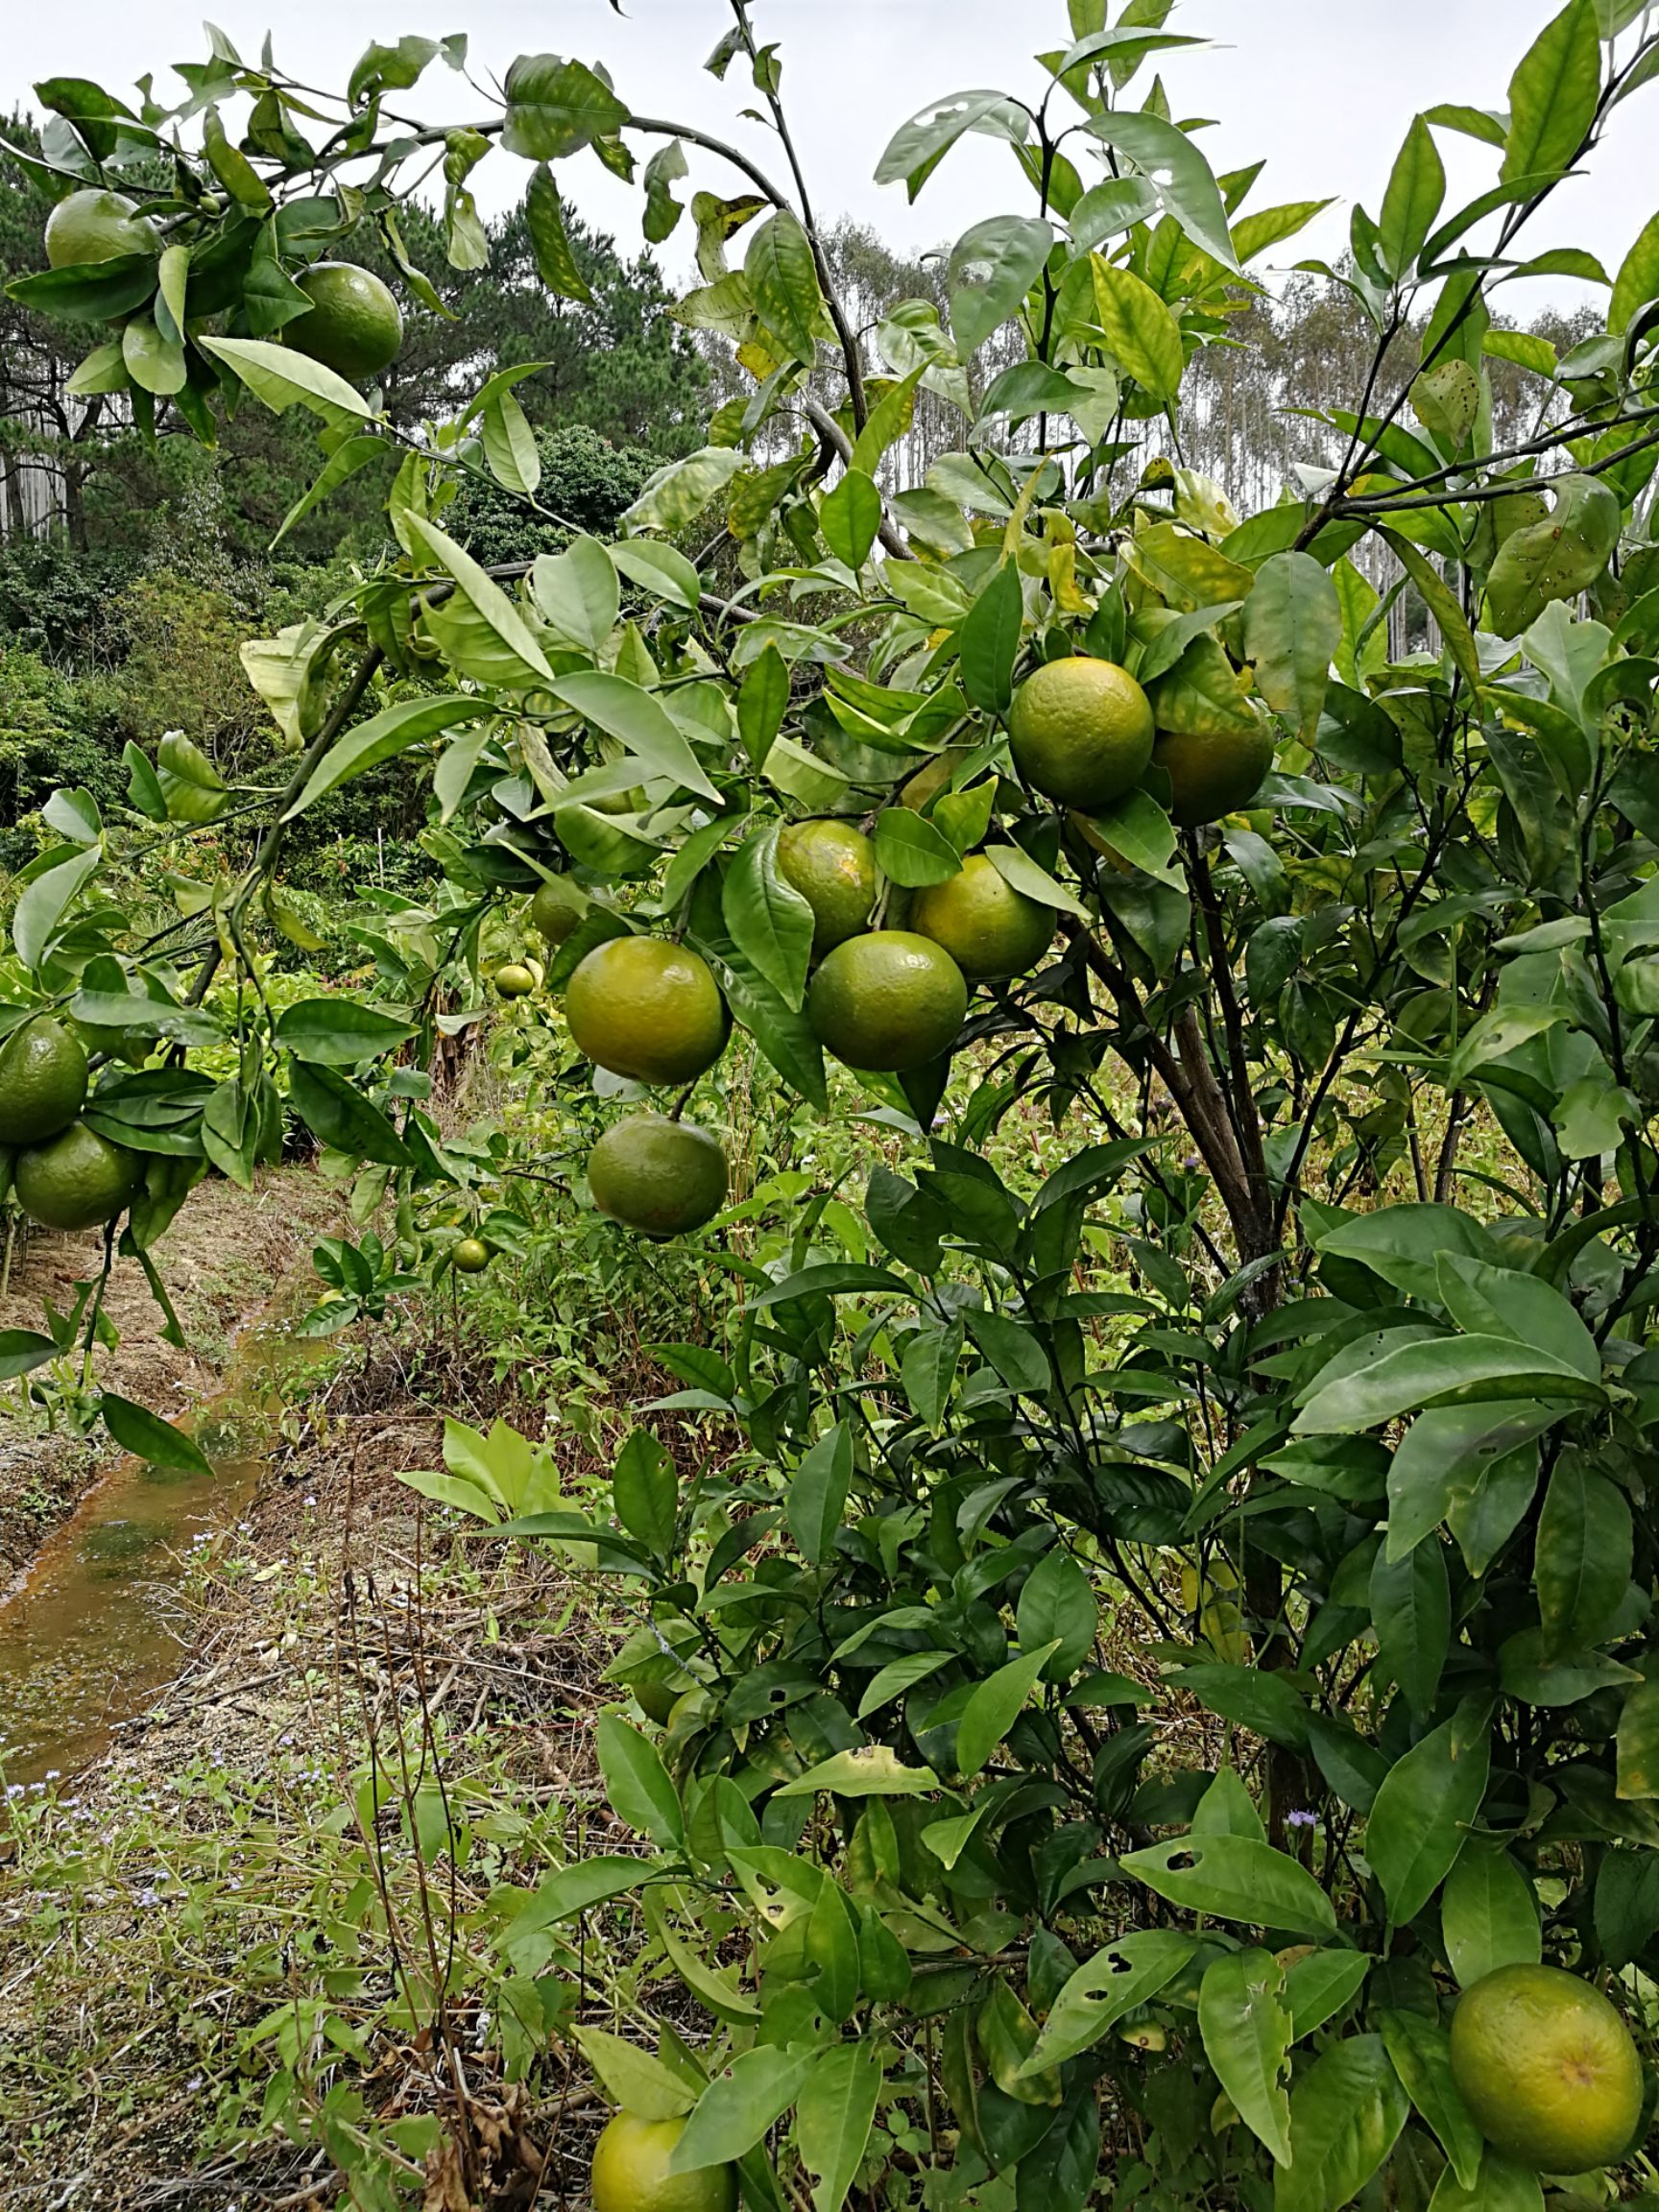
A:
x: 94, y: 1628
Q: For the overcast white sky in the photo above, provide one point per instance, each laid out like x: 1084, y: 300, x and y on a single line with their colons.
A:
x: 1324, y: 88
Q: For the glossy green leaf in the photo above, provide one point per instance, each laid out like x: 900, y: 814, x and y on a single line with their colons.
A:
x: 1138, y: 329
x: 337, y: 1111
x: 994, y: 1706
x: 1638, y: 1744
x: 850, y: 518
x: 1425, y: 1808
x: 817, y: 1497
x: 580, y: 594
x: 683, y: 489
x: 46, y: 899
x: 1499, y: 2186
x: 1416, y: 189
x: 643, y: 725
x: 1247, y: 2034
x: 1422, y: 2058
x: 1346, y: 2114
x: 1581, y: 1567
x: 990, y: 641
x: 147, y: 1437
x: 1488, y: 1916
x: 1559, y: 557
x: 339, y: 1032
x: 1292, y: 627
x: 1554, y: 95
x: 638, y: 2081
x: 1124, y: 1974
x: 770, y: 922
x: 740, y: 2104
x: 1411, y: 1615
x: 645, y: 1491
x: 992, y: 268
x: 282, y: 378
x: 1236, y: 1879
x: 555, y: 108
x: 1174, y: 161
x: 381, y: 738
x: 917, y: 148
x: 636, y: 1782
x: 1016, y: 866
x: 783, y: 281
x: 1319, y: 1985
x: 1435, y: 1370
x: 1058, y: 1606
x: 834, y: 2116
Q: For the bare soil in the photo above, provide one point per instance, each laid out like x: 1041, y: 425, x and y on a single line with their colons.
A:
x: 320, y: 1625
x: 221, y: 1260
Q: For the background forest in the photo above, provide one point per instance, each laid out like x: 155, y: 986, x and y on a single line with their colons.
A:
x: 131, y: 568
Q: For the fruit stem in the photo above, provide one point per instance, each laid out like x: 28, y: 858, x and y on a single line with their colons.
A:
x: 682, y: 1102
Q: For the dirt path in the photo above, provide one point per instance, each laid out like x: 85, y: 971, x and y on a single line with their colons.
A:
x: 221, y: 1262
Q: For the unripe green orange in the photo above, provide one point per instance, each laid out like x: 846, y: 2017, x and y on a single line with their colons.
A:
x: 96, y: 225
x: 354, y: 326
x: 988, y: 927
x: 43, y: 1080
x: 1081, y: 732
x: 659, y: 1177
x: 1210, y: 776
x: 78, y: 1180
x: 631, y: 2172
x: 887, y: 1001
x: 648, y: 1009
x: 470, y: 1257
x: 1547, y: 2069
x: 557, y: 908
x: 833, y: 865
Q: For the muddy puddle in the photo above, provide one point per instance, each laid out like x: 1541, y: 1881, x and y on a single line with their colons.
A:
x: 96, y: 1625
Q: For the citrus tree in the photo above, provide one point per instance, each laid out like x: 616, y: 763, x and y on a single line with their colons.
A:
x: 1344, y: 968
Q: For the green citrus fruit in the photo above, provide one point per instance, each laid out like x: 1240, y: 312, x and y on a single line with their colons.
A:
x: 631, y: 2172
x: 94, y: 226
x: 77, y: 1181
x: 1547, y: 2069
x: 628, y: 802
x: 557, y: 908
x: 1213, y: 776
x: 353, y: 326
x: 988, y: 927
x: 43, y: 1080
x: 1081, y: 732
x: 470, y: 1257
x: 513, y: 979
x: 887, y: 1001
x: 657, y: 1175
x: 833, y: 865
x: 643, y: 1007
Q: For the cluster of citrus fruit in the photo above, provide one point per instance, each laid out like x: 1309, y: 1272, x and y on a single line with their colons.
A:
x: 1083, y: 733
x: 353, y: 324
x: 884, y: 999
x: 65, y: 1174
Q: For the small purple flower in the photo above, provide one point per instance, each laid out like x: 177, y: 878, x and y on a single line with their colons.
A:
x: 1300, y: 1820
